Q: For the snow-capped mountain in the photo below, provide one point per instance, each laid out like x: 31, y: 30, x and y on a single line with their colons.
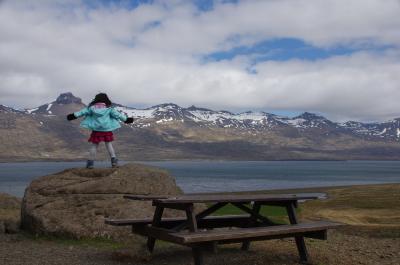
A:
x: 308, y: 120
x: 173, y: 113
x: 64, y: 104
x: 169, y: 114
x: 169, y: 131
x: 388, y: 130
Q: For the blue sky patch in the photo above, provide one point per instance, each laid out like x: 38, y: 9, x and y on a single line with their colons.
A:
x: 128, y: 4
x: 207, y: 5
x: 284, y: 49
x: 151, y: 25
x: 204, y: 5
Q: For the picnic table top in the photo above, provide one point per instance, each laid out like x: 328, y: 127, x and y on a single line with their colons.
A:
x: 228, y: 198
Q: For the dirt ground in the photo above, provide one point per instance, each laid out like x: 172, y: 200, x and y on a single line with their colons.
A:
x: 339, y: 249
x: 372, y: 237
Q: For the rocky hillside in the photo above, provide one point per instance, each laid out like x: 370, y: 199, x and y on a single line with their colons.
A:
x: 63, y: 105
x: 168, y: 131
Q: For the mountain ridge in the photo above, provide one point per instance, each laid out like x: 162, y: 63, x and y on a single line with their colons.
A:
x: 169, y: 131
x: 169, y: 112
x: 69, y: 98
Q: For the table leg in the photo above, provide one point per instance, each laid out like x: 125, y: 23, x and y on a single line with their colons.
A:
x: 301, y: 246
x: 192, y: 222
x: 156, y: 222
x: 191, y: 218
x: 201, y: 215
x: 253, y: 220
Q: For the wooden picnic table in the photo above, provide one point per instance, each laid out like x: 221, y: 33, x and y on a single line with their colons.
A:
x: 199, y: 231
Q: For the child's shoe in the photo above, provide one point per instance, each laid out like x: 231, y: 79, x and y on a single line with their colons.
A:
x: 114, y: 162
x: 90, y: 164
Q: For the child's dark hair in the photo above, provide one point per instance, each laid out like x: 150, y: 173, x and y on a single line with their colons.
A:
x: 101, y: 98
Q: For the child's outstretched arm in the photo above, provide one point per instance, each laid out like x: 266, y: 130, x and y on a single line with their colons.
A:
x: 71, y: 117
x: 120, y: 116
x: 129, y: 120
x: 75, y: 115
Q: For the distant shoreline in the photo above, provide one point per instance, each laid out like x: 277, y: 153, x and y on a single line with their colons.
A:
x: 197, y: 160
x: 211, y: 176
x: 322, y: 189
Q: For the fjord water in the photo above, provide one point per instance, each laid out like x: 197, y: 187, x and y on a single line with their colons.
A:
x: 215, y: 176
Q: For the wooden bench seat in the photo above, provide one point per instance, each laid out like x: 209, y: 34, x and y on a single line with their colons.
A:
x: 143, y: 221
x: 256, y: 232
x: 207, y: 222
x: 313, y: 229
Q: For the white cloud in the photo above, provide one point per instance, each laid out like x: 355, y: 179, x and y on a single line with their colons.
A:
x: 151, y: 54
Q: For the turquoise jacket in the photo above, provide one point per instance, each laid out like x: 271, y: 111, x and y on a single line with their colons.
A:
x: 100, y: 119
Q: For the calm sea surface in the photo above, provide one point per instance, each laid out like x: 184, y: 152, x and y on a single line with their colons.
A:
x: 211, y: 176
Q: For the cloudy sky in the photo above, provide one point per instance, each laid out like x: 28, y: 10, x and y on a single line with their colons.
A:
x: 340, y: 58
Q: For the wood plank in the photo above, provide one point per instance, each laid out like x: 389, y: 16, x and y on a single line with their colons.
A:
x: 206, y: 222
x: 314, y: 235
x: 242, y: 198
x: 250, y: 233
x: 176, y: 206
x: 237, y: 235
x: 143, y: 221
x: 277, y: 203
x: 145, y: 197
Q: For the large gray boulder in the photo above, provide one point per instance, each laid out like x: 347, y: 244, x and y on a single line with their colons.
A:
x: 76, y: 201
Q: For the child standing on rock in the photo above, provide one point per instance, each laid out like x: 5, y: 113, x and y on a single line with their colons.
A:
x: 102, y: 119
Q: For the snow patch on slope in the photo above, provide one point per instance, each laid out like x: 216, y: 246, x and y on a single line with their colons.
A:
x: 137, y: 113
x: 31, y: 110
x: 49, y: 107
